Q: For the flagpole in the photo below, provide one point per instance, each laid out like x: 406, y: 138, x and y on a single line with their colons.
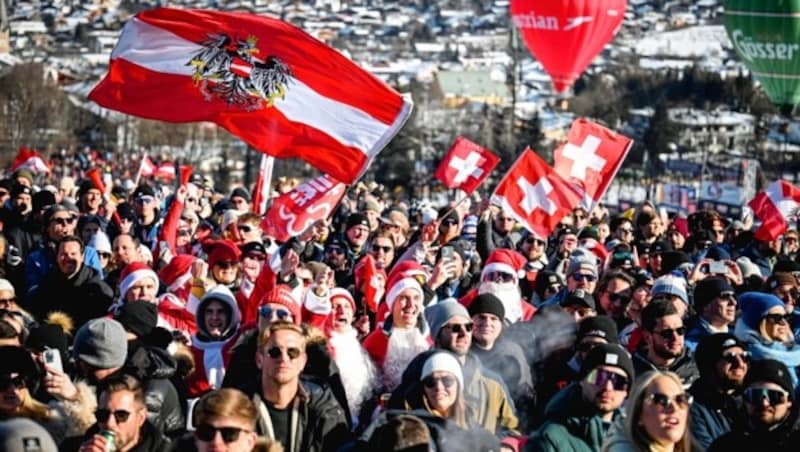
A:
x: 139, y: 173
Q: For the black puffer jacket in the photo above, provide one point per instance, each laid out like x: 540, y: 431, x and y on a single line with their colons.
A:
x: 83, y: 297
x: 684, y: 366
x: 154, y: 367
x: 321, y: 423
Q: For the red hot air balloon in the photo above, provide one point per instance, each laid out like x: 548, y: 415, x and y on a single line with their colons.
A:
x: 566, y: 35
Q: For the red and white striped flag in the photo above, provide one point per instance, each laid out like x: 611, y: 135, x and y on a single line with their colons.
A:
x: 263, y: 184
x: 166, y: 171
x: 147, y: 168
x: 30, y: 160
x: 774, y: 206
x: 266, y: 81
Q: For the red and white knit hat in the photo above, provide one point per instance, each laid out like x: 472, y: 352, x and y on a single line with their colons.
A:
x: 178, y: 272
x: 399, y: 285
x: 282, y: 294
x: 342, y: 294
x: 505, y: 261
x: 132, y: 273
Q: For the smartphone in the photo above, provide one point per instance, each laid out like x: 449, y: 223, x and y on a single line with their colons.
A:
x: 717, y: 268
x: 52, y: 358
x: 447, y: 253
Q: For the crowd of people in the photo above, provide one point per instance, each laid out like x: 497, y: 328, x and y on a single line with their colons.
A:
x: 150, y: 317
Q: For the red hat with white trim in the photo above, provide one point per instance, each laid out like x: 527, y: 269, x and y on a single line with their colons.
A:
x: 505, y: 261
x: 178, y: 271
x: 132, y: 273
x: 399, y: 285
x: 337, y: 293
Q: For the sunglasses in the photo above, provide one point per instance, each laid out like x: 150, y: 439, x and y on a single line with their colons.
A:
x: 385, y: 249
x: 121, y: 416
x: 581, y: 277
x: 227, y: 264
x: 104, y: 255
x: 245, y: 228
x: 334, y: 249
x: 757, y: 395
x: 728, y: 296
x: 431, y: 382
x: 778, y: 318
x: 458, y: 328
x: 282, y: 314
x: 184, y: 232
x: 664, y: 401
x: 63, y: 221
x: 600, y: 377
x: 733, y: 358
x: 534, y: 241
x: 500, y: 277
x: 17, y: 382
x: 276, y: 352
x: 449, y: 222
x: 207, y: 433
x: 794, y: 294
x: 145, y: 200
x: 622, y: 298
x: 668, y: 333
x: 7, y: 301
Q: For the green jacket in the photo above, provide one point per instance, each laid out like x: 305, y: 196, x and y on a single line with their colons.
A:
x: 571, y: 424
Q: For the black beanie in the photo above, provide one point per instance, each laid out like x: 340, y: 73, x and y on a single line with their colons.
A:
x: 487, y: 303
x: 138, y: 317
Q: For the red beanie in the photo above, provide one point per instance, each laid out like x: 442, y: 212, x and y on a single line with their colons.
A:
x: 178, y: 271
x: 223, y: 250
x: 282, y: 295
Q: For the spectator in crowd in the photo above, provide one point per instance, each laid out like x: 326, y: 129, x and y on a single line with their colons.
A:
x: 663, y: 336
x: 613, y: 294
x: 764, y: 327
x: 631, y: 335
x: 673, y: 289
x: 356, y: 232
x: 240, y: 199
x: 579, y: 304
x: 715, y: 304
x: 125, y: 252
x: 121, y: 410
x: 299, y: 414
x: 148, y: 220
x: 500, y: 277
x: 723, y: 363
x: 656, y: 416
x: 579, y: 416
x: 22, y: 433
x: 72, y: 286
x: 249, y: 228
x: 443, y: 388
x: 771, y: 420
x: 784, y: 286
x: 225, y: 420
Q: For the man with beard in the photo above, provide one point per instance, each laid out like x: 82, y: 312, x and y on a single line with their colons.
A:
x: 770, y: 422
x: 358, y: 372
x: 533, y: 248
x: 578, y: 417
x: 500, y: 278
x: 723, y: 363
x: 715, y: 304
x: 663, y: 335
x: 581, y: 274
x: 404, y: 333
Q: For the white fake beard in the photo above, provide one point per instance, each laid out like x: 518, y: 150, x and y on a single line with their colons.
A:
x: 358, y: 372
x: 508, y: 294
x: 404, y: 345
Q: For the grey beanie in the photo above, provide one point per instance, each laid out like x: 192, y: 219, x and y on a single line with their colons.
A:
x: 22, y: 435
x: 440, y: 313
x: 102, y: 343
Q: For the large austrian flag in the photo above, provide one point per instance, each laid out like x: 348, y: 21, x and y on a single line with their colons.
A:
x: 466, y: 166
x: 535, y: 194
x: 590, y: 159
x: 774, y: 206
x: 30, y: 160
x: 293, y: 212
x: 266, y: 81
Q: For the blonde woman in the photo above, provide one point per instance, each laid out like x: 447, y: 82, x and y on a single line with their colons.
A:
x: 764, y: 327
x: 443, y: 388
x: 657, y: 413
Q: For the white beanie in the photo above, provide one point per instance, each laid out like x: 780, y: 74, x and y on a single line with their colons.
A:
x: 443, y: 362
x: 399, y: 286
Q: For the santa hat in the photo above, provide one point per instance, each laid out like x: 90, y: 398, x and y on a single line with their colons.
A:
x: 282, y: 294
x: 133, y: 273
x: 178, y: 272
x: 406, y: 269
x: 221, y: 251
x: 400, y: 285
x: 505, y: 261
x: 337, y: 293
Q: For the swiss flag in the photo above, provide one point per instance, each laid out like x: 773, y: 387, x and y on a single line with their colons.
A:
x: 590, y: 159
x: 466, y: 166
x: 30, y: 160
x: 366, y: 273
x: 293, y: 212
x: 535, y: 195
x: 773, y: 207
x: 282, y: 91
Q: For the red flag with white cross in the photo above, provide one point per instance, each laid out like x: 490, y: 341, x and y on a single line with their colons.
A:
x: 590, y: 159
x: 535, y: 195
x: 466, y: 166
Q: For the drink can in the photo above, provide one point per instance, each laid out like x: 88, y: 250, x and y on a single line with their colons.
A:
x: 110, y: 437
